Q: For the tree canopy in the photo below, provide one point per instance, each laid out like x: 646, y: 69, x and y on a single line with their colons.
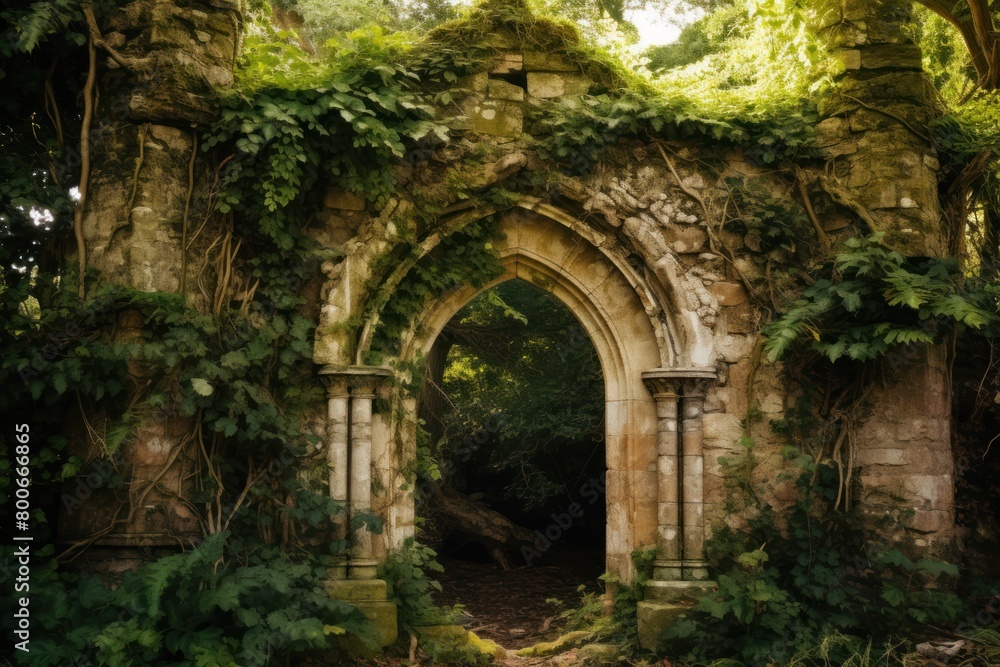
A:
x: 522, y: 372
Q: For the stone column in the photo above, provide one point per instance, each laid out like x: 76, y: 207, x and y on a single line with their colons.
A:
x: 693, y: 562
x: 680, y: 463
x: 668, y: 535
x: 362, y: 565
x: 338, y: 420
x: 351, y: 392
x: 144, y: 135
x: 680, y: 572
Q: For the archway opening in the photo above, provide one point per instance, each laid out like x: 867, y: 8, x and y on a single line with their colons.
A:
x: 513, y: 428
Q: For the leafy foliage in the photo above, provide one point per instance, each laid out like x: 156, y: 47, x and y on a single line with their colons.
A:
x: 576, y: 136
x: 463, y: 258
x: 618, y: 627
x: 876, y: 299
x: 408, y: 572
x: 348, y: 119
x: 222, y: 604
x: 773, y: 228
x: 802, y: 577
x: 523, y: 370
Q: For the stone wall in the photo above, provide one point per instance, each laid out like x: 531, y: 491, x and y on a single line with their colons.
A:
x: 148, y: 192
x: 880, y: 157
x: 654, y: 217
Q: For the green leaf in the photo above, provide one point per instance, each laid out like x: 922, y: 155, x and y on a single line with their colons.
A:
x: 202, y: 386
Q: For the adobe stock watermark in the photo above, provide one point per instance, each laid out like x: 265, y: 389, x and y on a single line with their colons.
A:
x: 21, y: 537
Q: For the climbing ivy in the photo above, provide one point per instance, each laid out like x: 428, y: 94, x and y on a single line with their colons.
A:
x: 576, y: 136
x: 220, y: 604
x: 463, y: 258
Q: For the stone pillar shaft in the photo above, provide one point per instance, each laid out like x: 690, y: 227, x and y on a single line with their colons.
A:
x: 361, y: 564
x: 668, y: 564
x: 692, y: 485
x: 680, y: 464
x: 337, y: 457
x: 902, y: 446
x: 350, y: 394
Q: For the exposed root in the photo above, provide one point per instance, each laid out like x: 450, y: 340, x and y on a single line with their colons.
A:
x: 840, y: 196
x: 89, y: 99
x: 800, y: 179
x: 187, y: 213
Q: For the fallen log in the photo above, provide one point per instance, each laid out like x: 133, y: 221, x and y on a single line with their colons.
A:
x: 469, y: 516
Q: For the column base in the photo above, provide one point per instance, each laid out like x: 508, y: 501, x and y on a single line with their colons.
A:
x: 676, y: 570
x: 668, y: 570
x: 666, y: 603
x: 362, y: 568
x: 694, y: 570
x: 338, y: 570
x: 370, y: 597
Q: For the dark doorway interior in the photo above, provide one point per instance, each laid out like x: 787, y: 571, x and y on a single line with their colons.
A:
x: 513, y: 448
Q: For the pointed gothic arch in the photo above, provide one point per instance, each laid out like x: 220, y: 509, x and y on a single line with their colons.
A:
x: 642, y: 340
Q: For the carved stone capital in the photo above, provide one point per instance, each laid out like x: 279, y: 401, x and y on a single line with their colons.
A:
x: 359, y: 381
x: 688, y: 382
x: 336, y: 386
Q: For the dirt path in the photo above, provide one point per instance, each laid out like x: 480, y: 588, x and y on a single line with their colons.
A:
x: 512, y: 608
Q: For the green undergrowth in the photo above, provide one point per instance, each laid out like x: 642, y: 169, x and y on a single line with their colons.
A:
x: 224, y: 603
x: 804, y: 584
x: 409, y: 573
x: 612, y: 623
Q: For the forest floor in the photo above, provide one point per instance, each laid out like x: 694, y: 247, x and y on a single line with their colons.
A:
x: 519, y: 607
x: 516, y: 608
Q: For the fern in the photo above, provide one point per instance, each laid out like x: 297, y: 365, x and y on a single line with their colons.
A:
x: 30, y: 27
x: 876, y: 299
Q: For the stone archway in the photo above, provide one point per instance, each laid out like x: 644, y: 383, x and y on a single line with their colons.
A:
x: 540, y: 251
x: 654, y: 395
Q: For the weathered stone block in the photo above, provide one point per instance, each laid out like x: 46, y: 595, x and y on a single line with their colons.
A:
x: 891, y: 86
x: 740, y: 319
x: 675, y: 592
x: 498, y: 89
x: 686, y: 239
x: 848, y: 59
x: 832, y: 131
x: 546, y: 62
x: 369, y: 596
x: 729, y: 294
x: 499, y: 118
x: 509, y: 63
x: 476, y: 82
x: 735, y: 348
x: 722, y: 427
x: 546, y: 85
x: 881, y: 456
x: 357, y: 590
x: 892, y: 56
x: 930, y: 521
x: 383, y: 619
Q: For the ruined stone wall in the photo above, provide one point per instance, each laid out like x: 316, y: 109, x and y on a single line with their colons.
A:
x: 147, y: 196
x: 882, y: 162
x: 660, y: 213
